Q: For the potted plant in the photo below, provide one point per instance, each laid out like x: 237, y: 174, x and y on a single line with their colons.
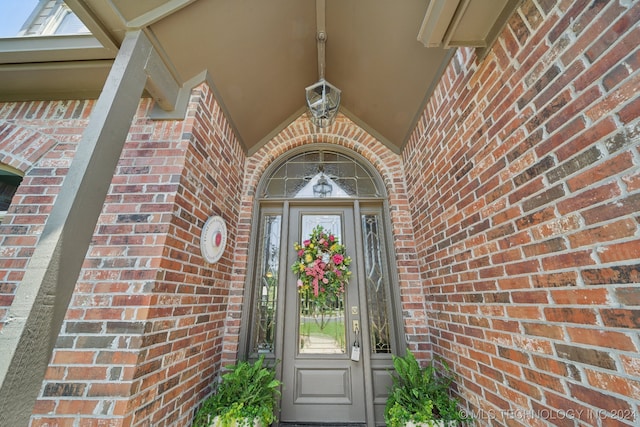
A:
x: 246, y: 396
x: 421, y: 396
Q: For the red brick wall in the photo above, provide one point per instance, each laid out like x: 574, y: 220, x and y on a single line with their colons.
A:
x: 182, y: 342
x: 39, y: 139
x: 142, y: 339
x: 526, y: 177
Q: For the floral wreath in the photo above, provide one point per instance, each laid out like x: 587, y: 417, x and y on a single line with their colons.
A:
x: 322, y: 266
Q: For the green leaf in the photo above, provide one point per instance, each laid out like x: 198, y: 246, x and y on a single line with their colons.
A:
x: 248, y: 391
x: 420, y: 394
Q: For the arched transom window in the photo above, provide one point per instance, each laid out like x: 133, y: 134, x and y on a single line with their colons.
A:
x: 319, y: 174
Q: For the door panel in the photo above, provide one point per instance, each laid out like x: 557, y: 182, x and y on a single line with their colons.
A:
x: 322, y: 383
x: 323, y: 386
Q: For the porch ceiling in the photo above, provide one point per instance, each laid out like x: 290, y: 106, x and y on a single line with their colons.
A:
x: 262, y: 54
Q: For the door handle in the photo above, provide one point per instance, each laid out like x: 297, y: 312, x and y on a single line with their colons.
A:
x: 356, y: 326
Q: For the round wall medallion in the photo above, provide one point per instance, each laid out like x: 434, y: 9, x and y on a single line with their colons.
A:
x: 213, y: 239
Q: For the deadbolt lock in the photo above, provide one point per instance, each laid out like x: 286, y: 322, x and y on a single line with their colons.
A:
x: 354, y: 310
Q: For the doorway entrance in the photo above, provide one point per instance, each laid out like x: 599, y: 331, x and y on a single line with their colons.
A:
x: 333, y: 358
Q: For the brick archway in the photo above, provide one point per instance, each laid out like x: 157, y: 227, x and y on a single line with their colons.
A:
x: 21, y: 147
x: 346, y: 134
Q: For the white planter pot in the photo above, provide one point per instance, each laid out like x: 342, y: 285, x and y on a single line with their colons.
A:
x: 217, y: 423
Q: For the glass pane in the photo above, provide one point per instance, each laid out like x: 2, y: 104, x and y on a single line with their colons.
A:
x: 321, y: 325
x: 366, y: 187
x: 71, y: 24
x: 294, y: 186
x: 321, y: 174
x: 276, y: 186
x: 342, y: 169
x: 267, y: 284
x: 376, y: 284
x: 295, y: 169
x: 347, y: 185
x: 331, y: 223
x: 310, y: 157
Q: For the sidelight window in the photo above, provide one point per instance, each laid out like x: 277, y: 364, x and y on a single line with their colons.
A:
x: 266, y: 297
x: 376, y: 277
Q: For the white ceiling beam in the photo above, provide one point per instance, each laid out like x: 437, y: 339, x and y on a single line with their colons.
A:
x: 321, y: 36
x: 151, y: 16
x: 469, y: 23
x: 436, y: 22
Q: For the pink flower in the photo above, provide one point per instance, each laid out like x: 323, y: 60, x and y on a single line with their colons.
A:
x: 300, y: 252
x: 306, y: 242
x: 299, y: 283
x: 325, y: 280
x: 331, y: 237
x: 337, y: 259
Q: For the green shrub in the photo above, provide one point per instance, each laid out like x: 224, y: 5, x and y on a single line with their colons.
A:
x: 248, y: 392
x: 421, y: 395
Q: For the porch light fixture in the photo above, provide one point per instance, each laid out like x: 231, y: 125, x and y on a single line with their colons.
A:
x: 323, y: 98
x: 322, y: 188
x: 323, y: 101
